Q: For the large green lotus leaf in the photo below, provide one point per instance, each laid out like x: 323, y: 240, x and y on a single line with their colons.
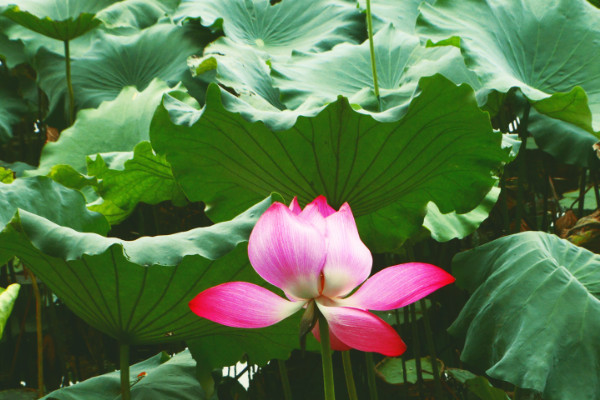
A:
x: 143, y: 177
x: 403, y: 14
x: 247, y: 75
x: 115, y: 62
x: 565, y: 142
x: 31, y: 41
x: 401, y: 61
x: 478, y: 385
x: 57, y: 19
x: 8, y: 297
x: 164, y: 377
x: 279, y: 29
x: 12, y: 52
x: 534, y: 314
x: 116, y: 126
x: 445, y: 227
x: 131, y: 15
x: 550, y: 50
x: 42, y: 196
x: 442, y: 150
x: 138, y: 291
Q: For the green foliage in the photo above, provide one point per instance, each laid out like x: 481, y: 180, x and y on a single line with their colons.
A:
x: 11, y: 108
x: 57, y: 19
x: 477, y: 385
x: 535, y: 300
x: 116, y: 126
x: 279, y: 29
x: 537, y: 47
x: 8, y: 297
x: 159, y: 377
x: 291, y: 109
x: 402, y: 14
x: 445, y: 227
x: 143, y: 177
x: 157, y: 52
x: 391, y: 370
x: 401, y: 61
x: 45, y: 198
x: 236, y: 162
x: 144, y: 298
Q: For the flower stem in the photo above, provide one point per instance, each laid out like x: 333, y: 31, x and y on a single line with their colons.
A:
x: 372, y: 49
x: 326, y: 358
x: 416, y: 349
x: 39, y: 334
x: 124, y: 365
x: 430, y: 343
x: 285, y: 381
x: 349, y: 375
x: 371, y: 376
x: 69, y: 84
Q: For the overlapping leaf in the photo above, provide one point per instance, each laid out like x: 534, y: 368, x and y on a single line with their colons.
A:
x: 401, y: 61
x: 143, y: 177
x: 115, y: 62
x: 44, y: 197
x: 403, y: 14
x: 243, y: 72
x: 566, y: 142
x: 8, y: 297
x: 137, y: 292
x: 132, y: 15
x: 443, y: 150
x: 534, y: 315
x: 11, y: 106
x: 116, y: 126
x: 445, y: 227
x: 549, y: 50
x: 160, y: 376
x: 57, y: 19
x: 12, y: 52
x: 279, y: 29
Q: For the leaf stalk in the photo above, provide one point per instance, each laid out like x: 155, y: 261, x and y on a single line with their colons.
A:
x: 124, y: 366
x: 71, y: 116
x: 349, y: 375
x: 372, y: 50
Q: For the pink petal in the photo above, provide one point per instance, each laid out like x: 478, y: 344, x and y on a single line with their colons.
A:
x: 319, y: 205
x: 398, y: 286
x: 295, y: 207
x: 287, y: 252
x: 362, y: 330
x: 242, y: 305
x: 335, y: 343
x: 315, y: 213
x: 348, y: 261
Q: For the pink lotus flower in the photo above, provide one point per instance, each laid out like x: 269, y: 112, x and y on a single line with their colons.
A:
x: 316, y: 255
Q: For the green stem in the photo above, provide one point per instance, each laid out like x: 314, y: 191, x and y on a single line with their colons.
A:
x: 39, y: 334
x: 371, y: 377
x: 69, y: 84
x: 285, y: 381
x: 582, y: 191
x: 326, y: 358
x: 372, y: 49
x: 432, y: 352
x: 522, y: 168
x: 417, y: 352
x: 124, y: 365
x: 349, y: 375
